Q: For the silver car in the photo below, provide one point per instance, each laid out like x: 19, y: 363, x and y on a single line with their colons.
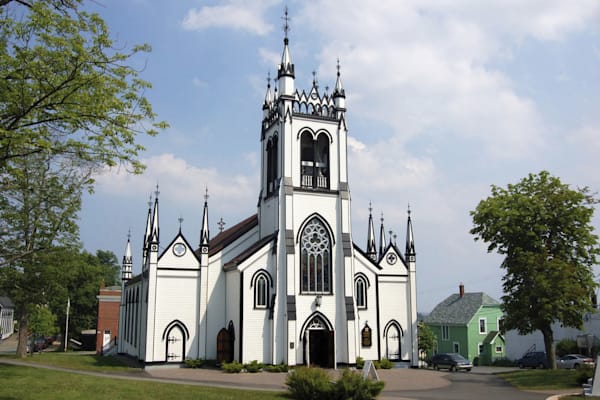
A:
x: 574, y: 361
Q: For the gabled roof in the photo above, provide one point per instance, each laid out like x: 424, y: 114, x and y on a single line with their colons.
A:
x: 491, y: 337
x: 236, y: 261
x: 457, y: 310
x: 230, y: 235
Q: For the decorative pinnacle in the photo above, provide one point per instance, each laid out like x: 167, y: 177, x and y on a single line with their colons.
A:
x: 180, y: 219
x: 286, y: 25
x: 338, y: 67
x: 370, y: 208
x: 409, y: 209
x: 269, y: 79
x: 314, y: 74
x: 129, y: 234
x: 150, y: 201
x: 157, y: 192
x: 382, y: 217
x: 206, y: 196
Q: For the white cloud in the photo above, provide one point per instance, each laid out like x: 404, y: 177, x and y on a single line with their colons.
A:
x: 241, y: 15
x: 182, y: 183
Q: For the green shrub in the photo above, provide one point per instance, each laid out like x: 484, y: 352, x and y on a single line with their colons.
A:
x: 309, y: 384
x: 583, y: 374
x: 232, y: 368
x: 253, y: 366
x: 360, y: 362
x: 351, y: 385
x: 384, y: 363
x: 566, y: 346
x: 276, y: 368
x: 194, y: 363
x: 503, y: 362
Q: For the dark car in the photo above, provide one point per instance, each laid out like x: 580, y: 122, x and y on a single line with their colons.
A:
x: 451, y: 361
x: 534, y: 359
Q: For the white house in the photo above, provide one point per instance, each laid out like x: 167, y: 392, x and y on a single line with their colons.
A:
x: 7, y: 311
x: 286, y: 284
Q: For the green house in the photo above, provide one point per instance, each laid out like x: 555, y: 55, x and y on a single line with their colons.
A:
x: 469, y: 324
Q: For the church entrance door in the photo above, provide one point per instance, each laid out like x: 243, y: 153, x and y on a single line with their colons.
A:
x: 175, y: 345
x: 393, y: 343
x: 319, y: 344
x: 224, y: 346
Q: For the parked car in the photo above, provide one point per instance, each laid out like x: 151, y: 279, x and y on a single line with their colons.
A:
x: 534, y: 359
x: 574, y: 361
x: 451, y: 361
x: 39, y: 344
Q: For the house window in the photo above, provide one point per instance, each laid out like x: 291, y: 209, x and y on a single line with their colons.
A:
x: 498, y: 349
x: 315, y: 258
x: 445, y: 332
x: 314, y: 164
x: 261, y: 292
x: 480, y: 349
x: 482, y: 325
x: 361, y: 292
x: 456, y: 347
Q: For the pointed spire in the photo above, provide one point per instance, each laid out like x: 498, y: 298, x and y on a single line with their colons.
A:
x: 339, y: 88
x: 155, y: 226
x: 127, y: 260
x: 285, y: 72
x: 371, y: 247
x: 147, y: 232
x: 204, y: 233
x: 268, y: 96
x: 410, y: 239
x: 381, y: 238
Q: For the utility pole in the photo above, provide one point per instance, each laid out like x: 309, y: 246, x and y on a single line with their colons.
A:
x: 67, y: 323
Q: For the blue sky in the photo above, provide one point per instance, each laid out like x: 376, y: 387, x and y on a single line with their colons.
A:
x: 444, y: 98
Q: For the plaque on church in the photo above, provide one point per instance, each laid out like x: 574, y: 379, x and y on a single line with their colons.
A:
x: 366, y: 336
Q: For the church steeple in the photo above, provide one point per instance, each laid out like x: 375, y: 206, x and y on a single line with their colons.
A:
x: 268, y: 98
x: 204, y: 232
x: 382, y: 243
x: 154, y: 235
x: 127, y: 261
x: 147, y: 233
x: 371, y: 247
x: 410, y: 240
x: 285, y: 72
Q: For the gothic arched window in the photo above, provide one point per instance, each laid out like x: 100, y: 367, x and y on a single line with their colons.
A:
x: 315, y: 258
x: 361, y: 292
x: 314, y: 155
x: 272, y: 163
x: 261, y: 292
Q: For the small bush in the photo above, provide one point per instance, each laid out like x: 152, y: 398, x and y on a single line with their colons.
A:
x: 360, y: 362
x: 566, y: 346
x: 195, y: 363
x: 276, y: 368
x: 352, y: 385
x: 384, y: 363
x: 253, y: 366
x: 583, y: 374
x: 232, y: 368
x: 503, y: 362
x: 309, y: 384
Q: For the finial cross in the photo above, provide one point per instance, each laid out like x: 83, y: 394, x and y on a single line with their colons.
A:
x: 221, y: 224
x: 286, y: 25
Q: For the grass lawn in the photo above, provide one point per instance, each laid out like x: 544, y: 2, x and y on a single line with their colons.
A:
x: 27, y: 383
x: 532, y: 379
x: 74, y: 360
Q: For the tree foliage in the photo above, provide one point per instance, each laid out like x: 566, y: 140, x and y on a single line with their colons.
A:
x: 427, y: 339
x: 543, y: 229
x: 64, y: 89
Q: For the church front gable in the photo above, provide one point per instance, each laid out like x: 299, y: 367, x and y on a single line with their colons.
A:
x: 392, y: 262
x: 178, y: 255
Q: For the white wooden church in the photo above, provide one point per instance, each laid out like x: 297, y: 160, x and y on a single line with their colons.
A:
x: 287, y: 284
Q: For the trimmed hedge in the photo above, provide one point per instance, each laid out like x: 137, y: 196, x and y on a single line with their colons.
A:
x: 315, y: 384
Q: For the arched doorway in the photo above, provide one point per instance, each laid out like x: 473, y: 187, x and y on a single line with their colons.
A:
x: 225, y: 339
x: 175, y: 344
x: 318, y: 341
x: 393, y: 337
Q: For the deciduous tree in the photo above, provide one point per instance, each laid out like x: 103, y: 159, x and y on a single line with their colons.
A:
x: 543, y: 229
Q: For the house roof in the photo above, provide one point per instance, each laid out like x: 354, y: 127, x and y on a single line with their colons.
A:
x: 457, y: 310
x: 6, y: 302
x: 491, y: 337
x: 248, y: 252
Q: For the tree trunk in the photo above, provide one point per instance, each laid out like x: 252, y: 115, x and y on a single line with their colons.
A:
x: 22, y: 343
x: 550, y: 347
